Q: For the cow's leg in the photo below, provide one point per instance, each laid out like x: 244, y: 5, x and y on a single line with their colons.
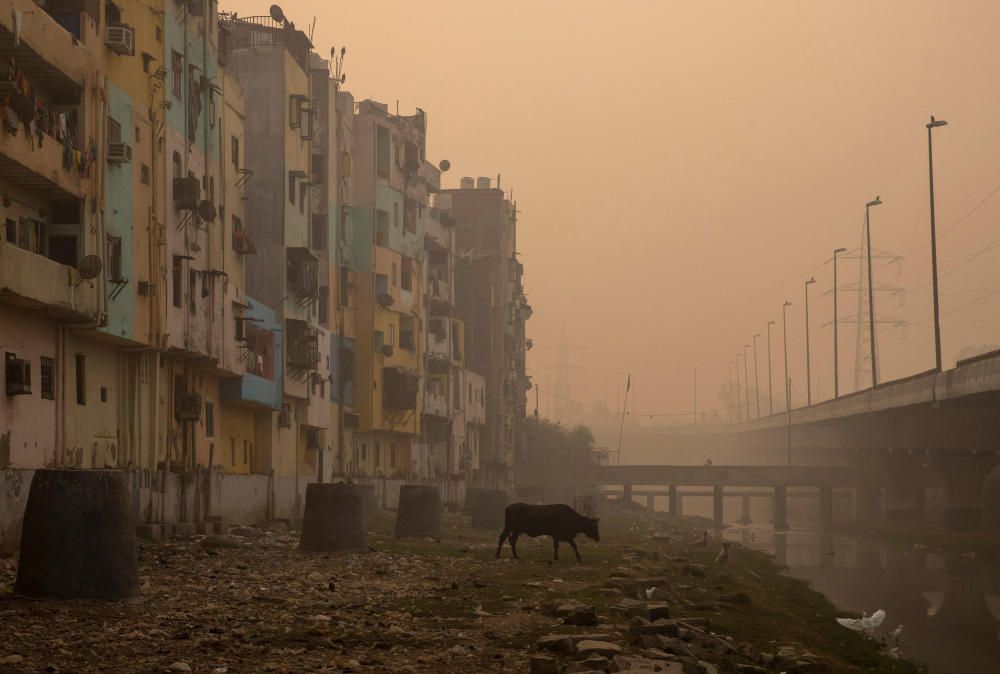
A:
x: 555, y: 548
x: 572, y: 543
x: 513, y: 543
x: 503, y: 537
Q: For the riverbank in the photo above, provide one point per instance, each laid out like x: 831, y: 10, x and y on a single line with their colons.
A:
x: 252, y: 602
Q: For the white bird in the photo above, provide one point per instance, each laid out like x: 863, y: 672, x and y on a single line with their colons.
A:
x: 480, y: 612
x: 898, y: 632
x: 866, y: 623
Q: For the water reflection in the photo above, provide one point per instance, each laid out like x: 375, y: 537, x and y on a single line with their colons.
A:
x: 949, y: 604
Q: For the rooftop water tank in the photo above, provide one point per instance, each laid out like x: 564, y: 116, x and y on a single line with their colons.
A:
x: 482, y: 183
x: 467, y: 183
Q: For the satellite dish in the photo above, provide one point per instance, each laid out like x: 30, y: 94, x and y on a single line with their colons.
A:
x: 444, y: 165
x: 89, y: 267
x: 206, y: 210
x: 277, y: 14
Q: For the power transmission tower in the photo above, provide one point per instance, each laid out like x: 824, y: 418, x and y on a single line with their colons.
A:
x: 861, y: 318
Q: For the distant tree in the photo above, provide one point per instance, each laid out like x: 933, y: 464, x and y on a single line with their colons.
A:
x: 972, y: 351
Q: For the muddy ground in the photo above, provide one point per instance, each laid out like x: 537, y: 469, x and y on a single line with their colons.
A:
x: 252, y: 602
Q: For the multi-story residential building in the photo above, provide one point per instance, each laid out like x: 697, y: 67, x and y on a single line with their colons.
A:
x: 272, y: 61
x: 390, y: 185
x: 490, y: 301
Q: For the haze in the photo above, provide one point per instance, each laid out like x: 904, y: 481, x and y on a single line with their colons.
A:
x: 683, y: 167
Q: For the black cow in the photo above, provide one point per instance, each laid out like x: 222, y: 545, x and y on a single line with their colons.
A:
x: 559, y: 521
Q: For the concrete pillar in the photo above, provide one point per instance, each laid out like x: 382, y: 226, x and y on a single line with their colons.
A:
x: 781, y: 549
x: 680, y: 505
x: 717, y: 506
x: 866, y: 507
x: 745, y: 510
x: 627, y: 494
x: 650, y: 502
x: 904, y: 504
x: 965, y: 478
x: 826, y: 508
x: 781, y: 508
x: 673, y: 503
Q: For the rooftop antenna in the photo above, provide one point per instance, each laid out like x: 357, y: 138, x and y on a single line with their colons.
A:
x: 337, y: 64
x: 312, y: 27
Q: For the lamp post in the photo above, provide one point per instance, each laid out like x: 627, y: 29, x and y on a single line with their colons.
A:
x: 784, y: 328
x: 809, y: 394
x: 770, y: 393
x: 756, y: 376
x: 871, y: 291
x: 933, y: 124
x: 739, y: 403
x: 836, y: 356
x: 731, y: 366
x: 696, y: 396
x: 746, y: 380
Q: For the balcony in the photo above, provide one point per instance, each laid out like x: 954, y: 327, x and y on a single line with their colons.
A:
x: 49, y: 54
x: 39, y: 168
x: 438, y: 345
x: 436, y: 404
x: 439, y: 295
x: 35, y: 282
x: 251, y: 390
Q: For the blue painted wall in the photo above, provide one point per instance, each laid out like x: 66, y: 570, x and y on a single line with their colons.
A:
x: 119, y: 218
x: 251, y: 388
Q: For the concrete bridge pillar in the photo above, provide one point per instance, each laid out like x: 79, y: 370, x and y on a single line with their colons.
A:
x: 745, y: 510
x: 866, y: 510
x: 680, y: 505
x: 781, y: 508
x: 627, y: 494
x: 826, y: 508
x: 673, y: 503
x: 717, y: 506
x: 904, y: 504
x: 650, y: 502
x: 781, y: 549
x: 965, y: 479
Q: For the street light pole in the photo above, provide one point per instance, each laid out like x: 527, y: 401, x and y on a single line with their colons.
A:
x: 934, y: 123
x: 836, y: 356
x: 871, y: 291
x: 696, y: 396
x: 809, y: 395
x: 784, y: 328
x: 770, y: 392
x: 739, y: 403
x: 746, y: 380
x: 756, y: 376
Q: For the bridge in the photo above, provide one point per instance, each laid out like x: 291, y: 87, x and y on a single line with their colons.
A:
x: 934, y: 429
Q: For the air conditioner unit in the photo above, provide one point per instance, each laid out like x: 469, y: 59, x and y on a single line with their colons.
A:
x: 18, y: 376
x: 187, y: 192
x: 385, y: 299
x: 386, y: 350
x: 285, y: 416
x: 120, y: 39
x: 119, y: 153
x: 188, y: 407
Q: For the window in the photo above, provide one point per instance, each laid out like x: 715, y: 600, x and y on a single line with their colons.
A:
x: 246, y: 451
x: 136, y: 139
x: 209, y: 419
x: 192, y: 291
x: 114, y: 258
x: 159, y: 34
x: 364, y: 451
x: 144, y: 174
x: 379, y: 340
x: 114, y: 131
x: 291, y: 187
x: 104, y: 394
x: 81, y: 379
x: 381, y: 227
x: 393, y: 274
x: 391, y: 335
x: 470, y: 393
x: 232, y: 451
x: 395, y: 215
x: 176, y: 163
x: 406, y: 274
x: 234, y: 144
x: 178, y: 280
x: 48, y: 378
x: 382, y: 152
x: 319, y: 229
x: 177, y: 73
x: 392, y: 454
x: 378, y: 452
x: 11, y: 231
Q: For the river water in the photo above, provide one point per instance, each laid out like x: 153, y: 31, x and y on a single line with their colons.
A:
x: 948, y: 603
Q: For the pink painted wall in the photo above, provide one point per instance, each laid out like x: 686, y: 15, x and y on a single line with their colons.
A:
x: 28, y: 421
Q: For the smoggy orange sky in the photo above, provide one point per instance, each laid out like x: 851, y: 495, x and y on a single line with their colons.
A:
x: 682, y: 168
